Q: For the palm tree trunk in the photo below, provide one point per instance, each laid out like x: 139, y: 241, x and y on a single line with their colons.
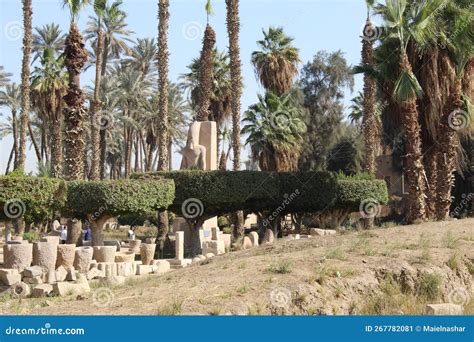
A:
x: 233, y: 28
x: 15, y: 137
x: 35, y: 144
x: 56, y: 149
x: 96, y: 107
x: 431, y: 167
x: 163, y: 131
x: 369, y: 122
x: 414, y: 165
x: 25, y: 82
x: 447, y: 156
x: 7, y: 170
x: 103, y: 150
x: 76, y: 57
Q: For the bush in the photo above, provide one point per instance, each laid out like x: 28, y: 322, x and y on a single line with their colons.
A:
x: 33, y: 198
x: 220, y: 192
x: 119, y: 197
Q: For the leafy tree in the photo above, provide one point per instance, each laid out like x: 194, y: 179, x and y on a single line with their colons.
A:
x: 11, y: 98
x: 48, y: 36
x: 322, y: 84
x: 4, y: 77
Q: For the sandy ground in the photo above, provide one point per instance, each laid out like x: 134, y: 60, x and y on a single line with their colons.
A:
x: 344, y: 274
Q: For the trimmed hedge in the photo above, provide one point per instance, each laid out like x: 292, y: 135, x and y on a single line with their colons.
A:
x: 33, y: 198
x: 288, y: 192
x: 119, y: 197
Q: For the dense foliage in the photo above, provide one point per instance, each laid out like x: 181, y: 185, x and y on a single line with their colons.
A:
x: 119, y: 197
x: 33, y: 199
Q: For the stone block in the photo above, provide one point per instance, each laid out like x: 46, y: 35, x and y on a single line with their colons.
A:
x: 446, y: 309
x: 17, y: 256
x: 269, y: 237
x: 144, y: 269
x: 215, y: 233
x: 179, y: 245
x: 134, y: 246
x: 32, y: 271
x: 227, y: 238
x: 66, y: 254
x: 147, y: 253
x: 216, y: 247
x: 43, y: 290
x: 45, y: 255
x: 64, y: 289
x: 49, y: 277
x: 210, y: 255
x: 33, y: 280
x: 322, y: 232
x: 125, y: 257
x: 20, y: 290
x: 162, y: 266
x: 176, y: 264
x: 71, y: 274
x: 247, y: 243
x: 9, y: 276
x: 109, y: 268
x: 83, y: 258
x: 104, y: 253
x: 61, y: 273
x: 95, y: 273
x: 254, y: 238
x: 50, y: 239
x: 125, y: 269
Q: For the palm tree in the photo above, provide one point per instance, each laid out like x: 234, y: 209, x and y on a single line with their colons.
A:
x: 462, y: 51
x: 4, y: 77
x: 49, y: 85
x: 48, y: 36
x: 99, y: 9
x: 11, y: 98
x: 25, y: 83
x: 233, y: 29
x: 6, y: 129
x: 207, y: 59
x: 143, y: 55
x: 276, y: 65
x: 406, y: 24
x: 275, y: 132
x: 75, y: 59
x: 115, y: 43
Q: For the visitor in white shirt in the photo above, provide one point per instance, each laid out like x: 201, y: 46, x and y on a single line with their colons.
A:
x: 63, y: 235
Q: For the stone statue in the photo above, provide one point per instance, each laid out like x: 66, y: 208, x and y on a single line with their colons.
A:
x: 194, y: 155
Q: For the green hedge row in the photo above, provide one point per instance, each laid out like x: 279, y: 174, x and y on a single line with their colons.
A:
x: 32, y: 198
x: 119, y: 197
x: 220, y: 192
x: 210, y: 192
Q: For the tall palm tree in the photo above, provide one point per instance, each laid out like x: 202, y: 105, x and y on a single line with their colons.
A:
x: 25, y: 82
x: 143, y: 55
x: 48, y: 36
x: 274, y: 149
x: 276, y: 65
x: 49, y: 86
x: 116, y: 36
x: 99, y: 9
x: 233, y: 30
x: 205, y: 89
x: 411, y: 23
x: 4, y: 77
x: 462, y: 51
x: 11, y: 98
x: 75, y: 59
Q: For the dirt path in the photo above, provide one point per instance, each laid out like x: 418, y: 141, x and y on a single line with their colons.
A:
x: 393, y: 270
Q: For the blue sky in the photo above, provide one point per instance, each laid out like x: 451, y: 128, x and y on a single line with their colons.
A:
x: 314, y: 24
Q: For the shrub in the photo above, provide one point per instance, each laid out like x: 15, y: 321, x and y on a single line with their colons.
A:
x: 352, y: 192
x: 119, y: 197
x: 33, y: 198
